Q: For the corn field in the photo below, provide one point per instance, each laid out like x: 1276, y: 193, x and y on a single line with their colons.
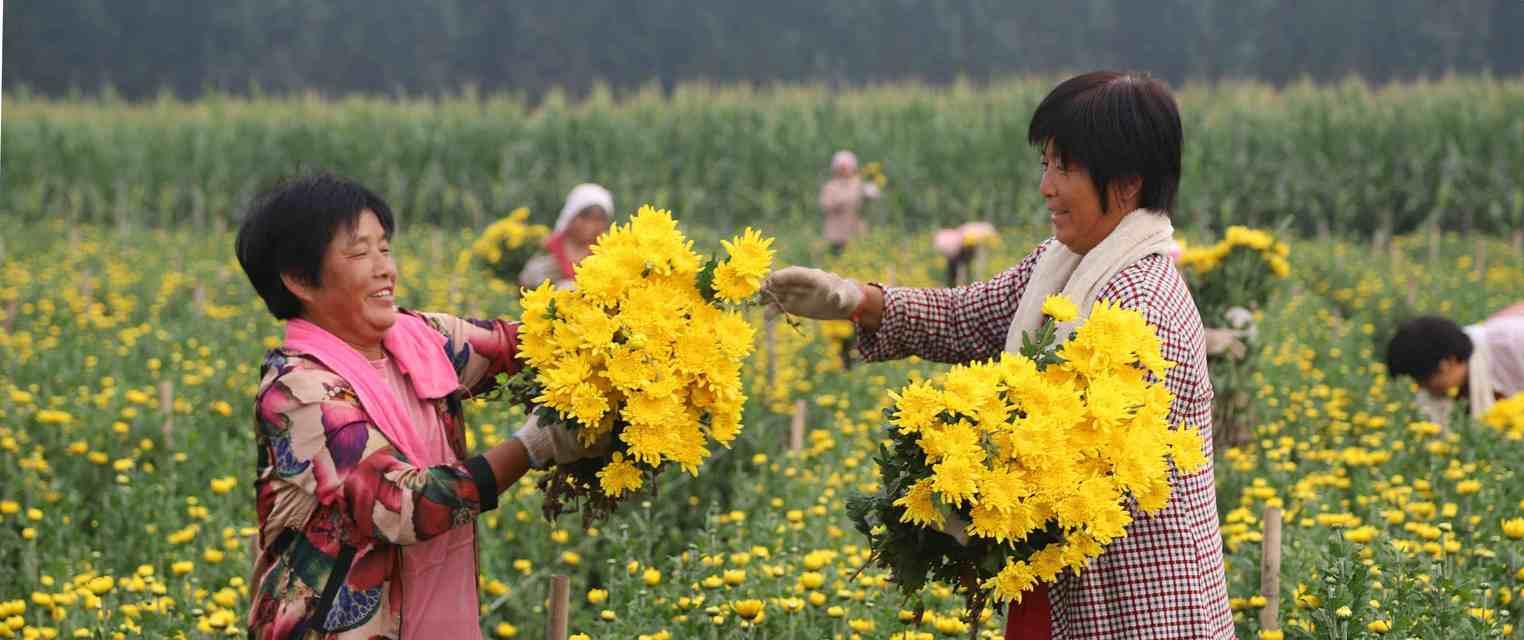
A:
x: 1348, y: 158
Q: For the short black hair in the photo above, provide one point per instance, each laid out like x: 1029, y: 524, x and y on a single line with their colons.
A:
x: 1421, y: 343
x: 1116, y: 125
x: 289, y: 227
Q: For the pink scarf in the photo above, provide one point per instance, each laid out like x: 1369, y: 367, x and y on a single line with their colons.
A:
x: 419, y: 352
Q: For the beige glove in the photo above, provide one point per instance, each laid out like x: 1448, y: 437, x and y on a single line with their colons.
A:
x: 1224, y: 342
x: 556, y: 444
x: 812, y: 293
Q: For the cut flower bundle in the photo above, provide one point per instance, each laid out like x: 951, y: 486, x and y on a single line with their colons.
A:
x: 998, y: 475
x: 646, y: 351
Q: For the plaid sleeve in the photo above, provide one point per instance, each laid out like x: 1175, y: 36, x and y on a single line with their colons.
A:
x: 478, y: 349
x: 962, y: 324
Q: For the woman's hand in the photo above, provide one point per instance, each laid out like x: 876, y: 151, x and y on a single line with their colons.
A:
x: 812, y: 293
x: 556, y: 444
x: 823, y: 295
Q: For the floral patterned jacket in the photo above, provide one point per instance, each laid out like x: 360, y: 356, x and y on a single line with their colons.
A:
x: 337, y: 502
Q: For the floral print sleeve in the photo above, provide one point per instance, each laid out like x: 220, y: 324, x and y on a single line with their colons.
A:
x: 479, y: 349
x: 323, y: 445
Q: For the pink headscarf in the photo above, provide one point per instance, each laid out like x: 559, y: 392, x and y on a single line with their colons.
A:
x: 844, y: 162
x: 948, y: 242
x: 419, y: 352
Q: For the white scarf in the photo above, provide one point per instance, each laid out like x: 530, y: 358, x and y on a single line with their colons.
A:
x: 1081, y: 278
x: 1479, y: 370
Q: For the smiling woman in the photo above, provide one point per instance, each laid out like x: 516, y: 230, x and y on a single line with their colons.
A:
x: 366, y: 496
x: 355, y: 302
x: 1110, y: 145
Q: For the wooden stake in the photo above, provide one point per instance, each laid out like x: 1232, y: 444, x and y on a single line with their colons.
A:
x: 769, y: 350
x: 1518, y: 243
x: 556, y: 612
x: 796, y: 426
x: 1481, y: 255
x: 86, y: 287
x: 1270, y: 571
x: 167, y: 407
x: 11, y: 309
x: 198, y: 299
x: 1433, y: 246
x: 981, y: 262
x: 198, y: 207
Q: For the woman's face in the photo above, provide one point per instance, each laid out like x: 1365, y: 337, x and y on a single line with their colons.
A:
x: 1074, y: 206
x: 1450, y: 375
x: 355, y: 299
x: 588, y: 225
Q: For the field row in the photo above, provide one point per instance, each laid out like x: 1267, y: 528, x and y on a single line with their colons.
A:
x: 1345, y: 157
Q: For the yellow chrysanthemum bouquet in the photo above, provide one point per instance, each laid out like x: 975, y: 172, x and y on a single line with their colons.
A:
x: 647, y: 348
x: 1238, y: 271
x: 998, y: 475
x: 874, y: 172
x: 508, y: 244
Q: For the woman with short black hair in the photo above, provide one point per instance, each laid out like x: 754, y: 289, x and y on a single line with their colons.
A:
x: 1110, y: 146
x: 365, y: 495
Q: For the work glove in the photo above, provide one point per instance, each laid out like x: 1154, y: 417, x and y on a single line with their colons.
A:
x: 557, y: 444
x: 812, y: 293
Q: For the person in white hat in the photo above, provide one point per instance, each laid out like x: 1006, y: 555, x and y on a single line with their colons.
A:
x: 586, y: 215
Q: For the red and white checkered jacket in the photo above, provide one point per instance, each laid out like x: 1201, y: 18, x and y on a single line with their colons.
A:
x: 1165, y: 578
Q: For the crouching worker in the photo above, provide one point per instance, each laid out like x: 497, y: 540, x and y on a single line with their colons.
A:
x: 1477, y: 365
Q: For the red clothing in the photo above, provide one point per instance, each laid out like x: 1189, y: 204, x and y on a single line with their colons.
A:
x: 1030, y: 620
x: 1165, y: 578
x: 556, y: 246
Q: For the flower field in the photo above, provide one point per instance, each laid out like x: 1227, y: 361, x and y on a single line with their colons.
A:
x: 128, y: 360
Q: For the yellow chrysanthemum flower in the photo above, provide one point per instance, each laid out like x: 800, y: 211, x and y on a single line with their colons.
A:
x: 1059, y: 307
x: 1013, y: 581
x: 619, y: 476
x: 919, y: 508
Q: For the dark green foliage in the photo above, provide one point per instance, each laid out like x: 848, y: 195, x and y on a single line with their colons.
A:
x: 392, y: 46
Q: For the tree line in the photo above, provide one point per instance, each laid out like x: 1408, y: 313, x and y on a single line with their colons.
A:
x: 143, y: 48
